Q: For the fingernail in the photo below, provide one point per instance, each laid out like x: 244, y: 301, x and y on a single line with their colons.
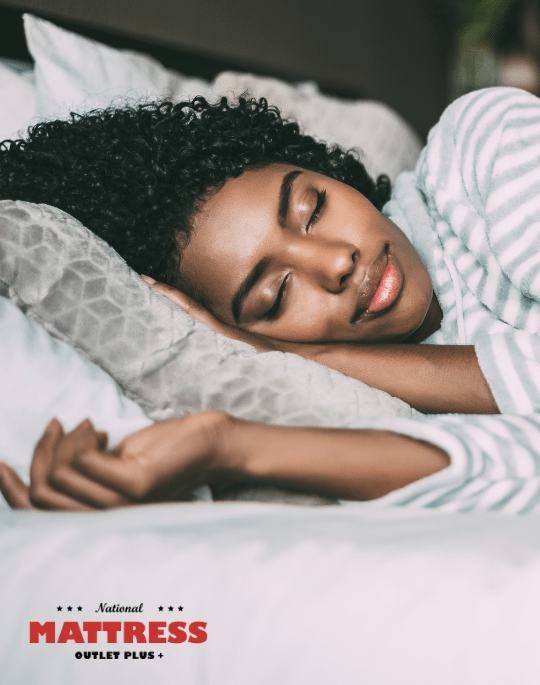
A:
x: 148, y: 279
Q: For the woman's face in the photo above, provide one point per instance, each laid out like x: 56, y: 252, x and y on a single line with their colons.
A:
x: 296, y: 256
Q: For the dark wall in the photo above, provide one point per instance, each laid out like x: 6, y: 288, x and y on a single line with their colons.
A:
x: 389, y: 50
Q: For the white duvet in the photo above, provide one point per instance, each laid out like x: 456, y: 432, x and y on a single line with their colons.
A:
x: 290, y: 595
x: 44, y: 378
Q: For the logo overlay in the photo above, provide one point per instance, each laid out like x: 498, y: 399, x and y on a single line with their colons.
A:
x: 140, y: 636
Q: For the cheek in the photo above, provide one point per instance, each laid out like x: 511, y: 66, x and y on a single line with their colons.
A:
x: 308, y: 320
x: 419, y: 294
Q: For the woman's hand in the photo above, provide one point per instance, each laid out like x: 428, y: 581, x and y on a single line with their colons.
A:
x: 197, y: 311
x: 159, y: 463
x: 162, y: 461
x: 51, y: 470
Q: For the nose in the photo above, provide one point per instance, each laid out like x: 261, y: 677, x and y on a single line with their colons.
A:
x: 329, y: 264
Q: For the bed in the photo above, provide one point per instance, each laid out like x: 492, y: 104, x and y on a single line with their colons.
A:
x: 224, y: 590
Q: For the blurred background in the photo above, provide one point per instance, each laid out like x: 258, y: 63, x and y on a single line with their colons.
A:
x: 414, y: 55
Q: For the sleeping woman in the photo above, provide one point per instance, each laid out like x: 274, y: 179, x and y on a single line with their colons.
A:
x: 273, y: 238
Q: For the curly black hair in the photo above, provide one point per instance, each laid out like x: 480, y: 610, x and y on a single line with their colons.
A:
x: 136, y: 176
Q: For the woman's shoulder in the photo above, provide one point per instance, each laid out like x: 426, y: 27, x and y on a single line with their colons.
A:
x: 482, y: 111
x: 472, y: 136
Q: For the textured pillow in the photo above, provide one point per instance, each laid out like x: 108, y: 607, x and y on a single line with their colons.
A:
x: 74, y: 73
x: 81, y: 291
x: 69, y: 280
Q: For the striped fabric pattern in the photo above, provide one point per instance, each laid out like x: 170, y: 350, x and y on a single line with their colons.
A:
x: 472, y: 210
x: 480, y: 176
x: 495, y: 463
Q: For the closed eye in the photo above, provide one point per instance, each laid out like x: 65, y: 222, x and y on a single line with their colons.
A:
x: 273, y: 312
x: 321, y: 199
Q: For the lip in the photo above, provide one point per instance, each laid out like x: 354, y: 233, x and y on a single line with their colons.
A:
x: 380, y: 289
x: 388, y: 290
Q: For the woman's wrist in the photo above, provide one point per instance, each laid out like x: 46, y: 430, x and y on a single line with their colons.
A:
x: 224, y: 438
x: 240, y: 448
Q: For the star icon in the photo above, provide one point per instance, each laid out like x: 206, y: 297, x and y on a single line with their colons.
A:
x: 171, y: 609
x: 79, y: 608
x: 160, y: 655
x: 58, y: 608
x: 161, y: 608
x: 180, y: 608
x: 70, y: 608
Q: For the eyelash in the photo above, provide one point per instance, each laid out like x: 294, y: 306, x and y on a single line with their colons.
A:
x: 321, y: 198
x: 274, y: 310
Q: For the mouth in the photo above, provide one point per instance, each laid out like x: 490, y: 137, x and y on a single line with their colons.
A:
x: 380, y: 290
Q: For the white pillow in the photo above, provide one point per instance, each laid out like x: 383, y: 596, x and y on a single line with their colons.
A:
x: 386, y: 143
x: 74, y: 73
x: 17, y: 101
x: 78, y: 74
x: 44, y: 378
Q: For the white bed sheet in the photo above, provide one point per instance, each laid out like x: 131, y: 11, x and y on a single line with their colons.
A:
x: 290, y: 595
x: 44, y: 378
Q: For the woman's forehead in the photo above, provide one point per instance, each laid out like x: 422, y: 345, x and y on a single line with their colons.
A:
x: 232, y: 221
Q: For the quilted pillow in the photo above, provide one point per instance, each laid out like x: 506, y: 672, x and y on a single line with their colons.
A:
x: 82, y: 292
x: 74, y: 284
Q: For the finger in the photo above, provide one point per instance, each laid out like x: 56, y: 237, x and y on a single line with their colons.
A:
x: 103, y: 439
x: 177, y: 297
x: 66, y: 479
x: 16, y: 493
x: 43, y: 455
x: 126, y: 477
x: 41, y: 494
x: 84, y: 436
x: 174, y: 295
x: 87, y: 490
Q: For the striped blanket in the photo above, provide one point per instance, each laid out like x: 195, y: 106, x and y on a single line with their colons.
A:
x: 472, y: 210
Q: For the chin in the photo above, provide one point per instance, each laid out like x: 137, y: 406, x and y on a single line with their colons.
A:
x: 417, y: 335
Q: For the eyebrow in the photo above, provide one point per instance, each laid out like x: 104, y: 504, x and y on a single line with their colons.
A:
x: 255, y: 274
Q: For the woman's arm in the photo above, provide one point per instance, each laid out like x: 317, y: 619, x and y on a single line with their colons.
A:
x: 435, y: 379
x: 354, y: 464
x: 170, y: 458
